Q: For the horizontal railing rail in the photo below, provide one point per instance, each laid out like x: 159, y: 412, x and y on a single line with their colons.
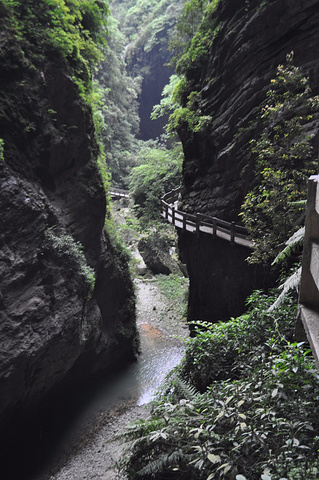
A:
x: 235, y: 234
x: 118, y: 192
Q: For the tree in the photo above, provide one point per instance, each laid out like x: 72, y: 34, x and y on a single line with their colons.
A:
x: 159, y: 172
x: 284, y: 160
x: 118, y: 109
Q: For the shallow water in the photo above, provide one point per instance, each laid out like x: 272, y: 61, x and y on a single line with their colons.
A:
x: 73, y: 422
x: 136, y: 385
x: 160, y: 355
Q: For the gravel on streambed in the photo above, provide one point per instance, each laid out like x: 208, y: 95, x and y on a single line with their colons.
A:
x: 95, y: 453
x: 97, y: 459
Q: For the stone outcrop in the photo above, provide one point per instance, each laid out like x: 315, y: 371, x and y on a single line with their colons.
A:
x: 159, y: 255
x: 252, y: 38
x: 66, y: 299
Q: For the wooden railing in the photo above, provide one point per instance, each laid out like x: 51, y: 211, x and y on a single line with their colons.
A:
x: 229, y: 231
x: 118, y: 193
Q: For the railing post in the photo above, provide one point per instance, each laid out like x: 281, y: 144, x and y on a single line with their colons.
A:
x: 197, y: 223
x: 214, y: 226
x: 232, y: 232
x: 173, y: 215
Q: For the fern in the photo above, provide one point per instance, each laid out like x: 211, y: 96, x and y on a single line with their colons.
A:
x: 162, y: 462
x: 176, y: 388
x: 291, y: 244
x: 141, y: 429
x: 184, y: 389
x: 292, y: 282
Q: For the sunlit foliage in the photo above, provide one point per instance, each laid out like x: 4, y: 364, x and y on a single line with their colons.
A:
x: 70, y: 29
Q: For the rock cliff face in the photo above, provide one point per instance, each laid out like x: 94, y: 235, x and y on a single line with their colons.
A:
x: 54, y: 323
x: 152, y: 66
x: 231, y: 80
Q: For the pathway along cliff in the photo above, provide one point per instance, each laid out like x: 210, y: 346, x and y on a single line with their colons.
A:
x: 84, y: 447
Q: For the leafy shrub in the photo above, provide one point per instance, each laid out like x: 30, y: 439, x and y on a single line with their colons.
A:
x: 185, y: 117
x: 170, y: 99
x: 260, y: 423
x: 223, y: 350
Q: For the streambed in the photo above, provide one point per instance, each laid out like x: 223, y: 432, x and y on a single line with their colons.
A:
x: 87, y: 449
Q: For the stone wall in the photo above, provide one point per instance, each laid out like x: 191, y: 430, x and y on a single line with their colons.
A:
x: 309, y: 287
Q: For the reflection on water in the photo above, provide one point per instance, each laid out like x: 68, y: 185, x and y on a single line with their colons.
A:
x: 159, y: 356
x: 138, y: 383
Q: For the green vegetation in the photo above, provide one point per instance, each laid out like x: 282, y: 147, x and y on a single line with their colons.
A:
x: 175, y: 289
x: 256, y: 419
x: 273, y: 209
x: 188, y: 22
x: 118, y: 110
x: 146, y: 22
x: 1, y: 150
x: 192, y: 42
x: 159, y: 172
x: 193, y: 59
x: 72, y: 252
x: 70, y: 29
x: 180, y: 117
x: 170, y: 99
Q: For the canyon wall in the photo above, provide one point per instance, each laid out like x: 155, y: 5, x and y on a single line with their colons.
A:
x: 148, y: 27
x: 66, y: 299
x: 247, y: 41
x: 151, y: 66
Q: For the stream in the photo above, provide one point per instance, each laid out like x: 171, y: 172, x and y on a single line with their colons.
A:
x: 80, y: 445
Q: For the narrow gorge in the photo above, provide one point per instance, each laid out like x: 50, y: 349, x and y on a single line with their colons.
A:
x: 79, y: 81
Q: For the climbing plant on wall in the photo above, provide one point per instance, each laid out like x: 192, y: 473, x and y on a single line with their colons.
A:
x: 284, y: 160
